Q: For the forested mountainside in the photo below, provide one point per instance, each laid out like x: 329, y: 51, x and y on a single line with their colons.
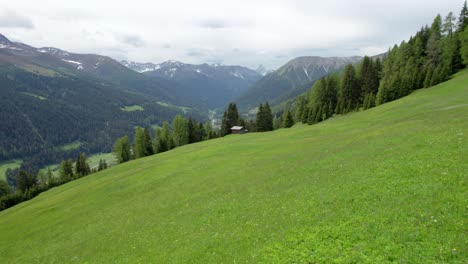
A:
x: 212, y: 85
x: 292, y: 79
x: 51, y: 98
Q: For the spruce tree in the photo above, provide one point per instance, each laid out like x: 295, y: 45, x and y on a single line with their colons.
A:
x: 122, y: 149
x: 260, y: 118
x: 464, y: 46
x: 350, y: 90
x: 147, y: 142
x: 288, y: 120
x: 25, y: 180
x: 180, y: 126
x: 463, y: 18
x: 102, y: 165
x: 139, y: 143
x: 81, y: 166
x: 230, y: 119
x: 276, y: 123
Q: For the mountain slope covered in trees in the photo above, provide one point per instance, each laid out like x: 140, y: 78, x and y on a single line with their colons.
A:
x: 292, y: 79
x: 378, y: 186
x: 50, y: 98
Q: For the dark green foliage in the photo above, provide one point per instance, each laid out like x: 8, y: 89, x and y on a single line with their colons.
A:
x: 138, y: 143
x: 164, y: 139
x: 276, y: 123
x: 264, y: 118
x: 122, y: 149
x: 181, y: 133
x: 288, y: 120
x: 143, y: 145
x: 102, y: 165
x: 464, y: 45
x: 66, y: 169
x: 4, y: 188
x: 196, y: 132
x: 230, y: 119
x: 74, y: 109
x: 82, y: 166
x: 463, y: 19
x: 25, y: 180
x: 350, y: 88
x: 147, y: 142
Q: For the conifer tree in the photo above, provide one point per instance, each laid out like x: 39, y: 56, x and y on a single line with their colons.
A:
x: 464, y: 45
x: 139, y: 143
x: 147, y: 142
x: 66, y: 169
x: 25, y: 180
x: 230, y: 119
x: 4, y: 188
x: 163, y: 141
x: 180, y: 135
x: 276, y: 123
x: 288, y: 120
x: 102, y: 165
x: 122, y: 149
x: 81, y: 166
x: 463, y: 18
x: 350, y: 90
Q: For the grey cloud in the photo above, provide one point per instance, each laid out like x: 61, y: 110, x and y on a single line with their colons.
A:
x: 194, y: 53
x: 132, y: 40
x: 10, y: 19
x: 214, y: 24
x: 222, y: 23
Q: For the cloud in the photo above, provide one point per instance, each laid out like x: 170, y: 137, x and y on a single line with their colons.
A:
x: 214, y: 24
x: 195, y: 53
x: 10, y: 19
x: 242, y: 32
x: 132, y: 40
x: 73, y: 14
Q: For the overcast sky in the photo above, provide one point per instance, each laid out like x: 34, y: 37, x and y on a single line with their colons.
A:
x: 242, y: 32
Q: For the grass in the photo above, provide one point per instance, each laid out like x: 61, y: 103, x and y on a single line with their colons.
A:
x: 9, y: 164
x: 71, y: 146
x: 387, y: 185
x: 132, y: 108
x: 182, y: 108
x: 35, y: 96
x: 110, y: 159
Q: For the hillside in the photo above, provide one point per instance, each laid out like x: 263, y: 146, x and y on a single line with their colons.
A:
x: 213, y: 85
x: 291, y: 79
x: 379, y: 186
x: 50, y: 98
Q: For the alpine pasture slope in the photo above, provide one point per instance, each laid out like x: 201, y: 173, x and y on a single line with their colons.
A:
x: 384, y: 185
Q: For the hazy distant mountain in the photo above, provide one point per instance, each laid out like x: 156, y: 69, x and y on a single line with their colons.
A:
x: 262, y: 70
x: 292, y: 79
x: 213, y: 84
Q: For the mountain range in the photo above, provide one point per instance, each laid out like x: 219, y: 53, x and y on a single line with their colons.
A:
x: 57, y: 98
x: 213, y: 84
x: 292, y: 79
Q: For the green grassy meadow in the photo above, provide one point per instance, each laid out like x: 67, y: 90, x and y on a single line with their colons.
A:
x: 132, y: 108
x: 387, y: 185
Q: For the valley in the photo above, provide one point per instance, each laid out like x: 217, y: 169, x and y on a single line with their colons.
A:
x: 368, y: 186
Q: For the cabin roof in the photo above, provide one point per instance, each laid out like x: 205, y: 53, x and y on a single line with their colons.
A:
x: 237, y: 128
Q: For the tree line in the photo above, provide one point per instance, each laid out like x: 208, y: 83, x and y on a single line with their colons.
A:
x: 27, y: 185
x: 182, y: 132
x: 430, y: 57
